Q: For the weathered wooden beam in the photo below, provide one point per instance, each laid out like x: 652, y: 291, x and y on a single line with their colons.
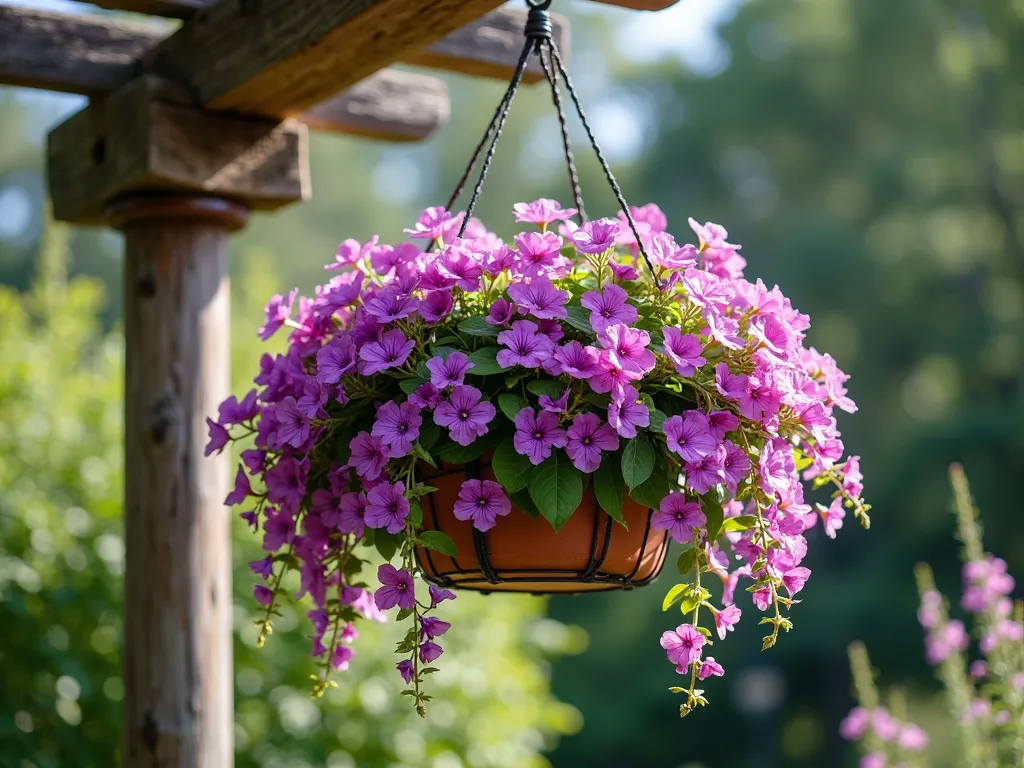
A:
x: 142, y: 138
x: 94, y: 55
x: 276, y: 57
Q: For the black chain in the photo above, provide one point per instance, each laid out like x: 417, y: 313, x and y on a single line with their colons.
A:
x: 539, y: 40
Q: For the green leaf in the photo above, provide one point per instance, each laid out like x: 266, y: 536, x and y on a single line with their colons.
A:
x: 442, y: 352
x: 429, y: 433
x: 417, y: 449
x: 453, y: 453
x: 546, y: 387
x: 579, y: 318
x: 511, y: 404
x: 741, y: 523
x: 514, y: 378
x: 409, y: 385
x: 689, y: 604
x: 521, y: 500
x: 637, y: 460
x: 477, y: 326
x: 485, y: 362
x: 609, y: 487
x: 446, y: 341
x: 385, y: 543
x: 403, y: 614
x: 657, y: 420
x: 511, y: 469
x: 557, y: 488
x: 415, y: 518
x: 439, y: 542
x: 687, y: 560
x: 674, y: 594
x: 418, y: 491
x: 713, y: 512
x: 651, y: 491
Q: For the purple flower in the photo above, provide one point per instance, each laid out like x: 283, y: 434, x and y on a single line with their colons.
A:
x: 627, y: 348
x: 627, y: 414
x: 387, y: 507
x: 278, y: 530
x: 367, y: 455
x: 262, y: 594
x: 539, y: 298
x: 335, y: 359
x: 435, y: 306
x: 705, y: 472
x: 391, y: 351
x: 218, y: 437
x: 450, y: 371
x: 678, y: 516
x: 794, y: 579
x: 735, y: 465
x: 665, y: 252
x: 624, y: 272
x: 233, y: 412
x: 425, y: 396
x: 241, y: 490
x: 263, y: 567
x: 596, y: 236
x: 587, y: 437
x: 350, y: 252
x: 352, y: 517
x: 405, y: 669
x: 721, y: 422
x: 683, y: 351
x: 540, y: 254
x: 761, y: 398
x: 293, y: 424
x: 460, y: 264
x: 832, y: 517
x: 683, y: 646
x: 286, y: 483
x: 554, y: 406
x: 464, y: 414
x: 431, y: 627
x: 730, y: 386
x: 726, y: 619
x: 431, y: 223
x: 481, y: 501
x: 397, y: 588
x: 608, y: 308
x: 277, y: 312
x: 688, y: 435
x: 542, y: 211
x: 390, y: 304
x: 536, y: 434
x: 397, y: 426
x: 525, y: 346
x: 578, y: 361
x: 501, y: 313
x: 314, y: 397
x: 429, y: 651
x: 438, y: 595
x: 342, y: 656
x: 612, y: 377
x: 709, y: 667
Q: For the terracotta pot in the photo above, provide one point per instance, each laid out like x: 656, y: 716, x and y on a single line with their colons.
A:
x: 590, y: 553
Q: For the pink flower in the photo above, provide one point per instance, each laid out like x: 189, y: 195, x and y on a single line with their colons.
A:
x: 596, y: 236
x: 611, y: 377
x: 729, y: 386
x: 576, y: 360
x: 726, y: 619
x: 539, y: 298
x: 350, y: 252
x: 683, y: 351
x: 665, y: 252
x: 688, y: 436
x: 481, y: 501
x: 721, y: 422
x: 709, y: 667
x: 432, y: 223
x: 627, y: 348
x: 735, y: 465
x: 627, y: 414
x: 855, y: 724
x: 912, y: 737
x: 542, y: 211
x: 608, y: 308
x: 678, y: 516
x: 387, y: 507
x: 390, y: 304
x: 705, y: 472
x: 587, y: 437
x: 683, y: 646
x: 449, y: 371
x: 464, y: 414
x: 554, y: 406
x: 277, y: 312
x: 501, y: 313
x: 794, y: 579
x: 459, y: 264
x: 397, y: 426
x: 436, y: 306
x: 525, y: 346
x: 367, y: 455
x: 397, y: 588
x: 833, y: 516
x: 536, y: 434
x: 540, y: 254
x: 391, y: 351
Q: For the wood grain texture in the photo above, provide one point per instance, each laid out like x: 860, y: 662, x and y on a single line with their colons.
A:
x: 184, y: 8
x: 641, y: 5
x: 271, y: 58
x: 132, y: 140
x: 390, y: 104
x: 64, y: 52
x: 177, y: 657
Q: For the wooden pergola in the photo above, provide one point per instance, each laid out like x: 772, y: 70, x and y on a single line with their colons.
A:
x: 184, y: 135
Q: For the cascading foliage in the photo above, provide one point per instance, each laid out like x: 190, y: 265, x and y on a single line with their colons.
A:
x: 672, y: 379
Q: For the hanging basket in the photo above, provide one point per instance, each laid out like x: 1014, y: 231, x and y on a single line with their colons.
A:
x: 590, y: 553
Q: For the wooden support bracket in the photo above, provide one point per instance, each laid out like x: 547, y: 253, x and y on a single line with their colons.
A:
x: 142, y: 137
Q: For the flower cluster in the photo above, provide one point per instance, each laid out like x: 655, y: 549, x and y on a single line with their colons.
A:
x: 558, y: 355
x: 985, y: 696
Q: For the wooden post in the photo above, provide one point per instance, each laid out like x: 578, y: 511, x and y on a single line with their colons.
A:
x: 177, y: 631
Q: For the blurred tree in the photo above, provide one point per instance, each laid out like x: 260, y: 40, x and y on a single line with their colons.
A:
x: 61, y: 562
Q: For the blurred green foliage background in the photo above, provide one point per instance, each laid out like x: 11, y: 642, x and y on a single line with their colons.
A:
x: 870, y: 157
